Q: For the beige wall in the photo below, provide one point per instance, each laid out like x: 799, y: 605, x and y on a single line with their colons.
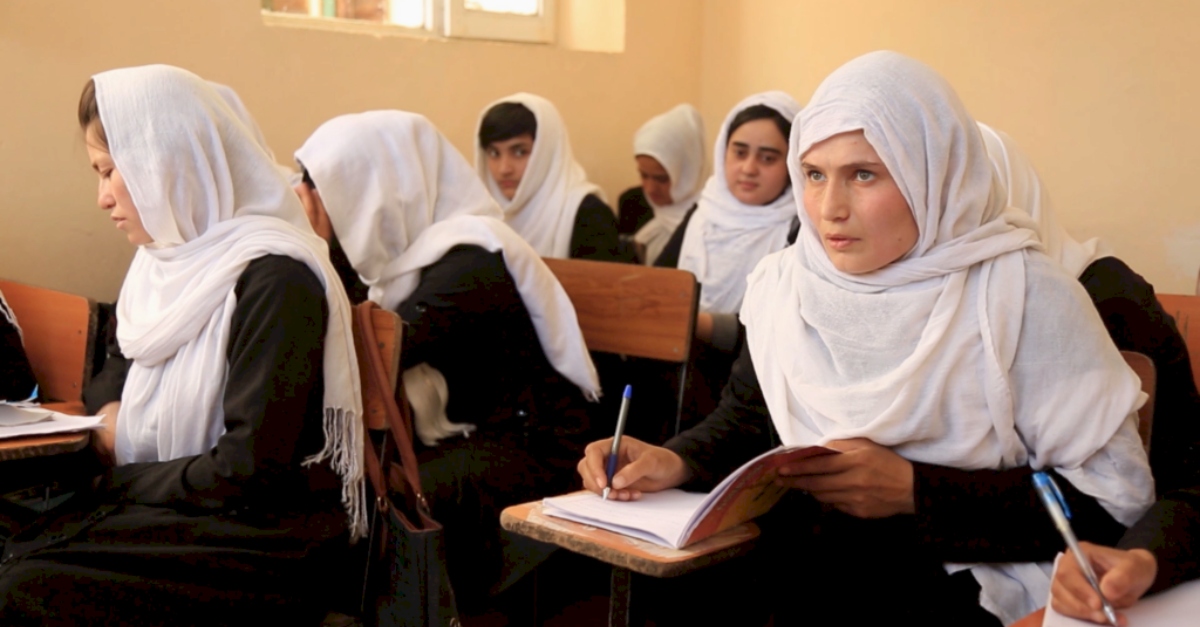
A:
x: 1102, y: 94
x: 292, y: 80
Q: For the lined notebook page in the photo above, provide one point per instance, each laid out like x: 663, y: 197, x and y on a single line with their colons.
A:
x: 658, y: 517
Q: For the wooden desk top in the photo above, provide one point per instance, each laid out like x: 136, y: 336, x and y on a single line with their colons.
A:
x: 636, y: 555
x: 43, y: 445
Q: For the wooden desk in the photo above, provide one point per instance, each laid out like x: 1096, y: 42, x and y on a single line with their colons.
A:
x: 627, y: 555
x: 1033, y: 620
x: 43, y: 445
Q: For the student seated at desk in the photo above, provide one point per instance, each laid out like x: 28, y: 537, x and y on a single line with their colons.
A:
x: 480, y: 307
x: 226, y: 498
x: 523, y: 155
x: 743, y: 214
x: 1127, y: 304
x: 669, y: 151
x: 916, y: 327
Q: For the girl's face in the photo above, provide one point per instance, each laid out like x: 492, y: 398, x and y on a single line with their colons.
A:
x: 112, y: 195
x: 656, y: 182
x: 506, y: 161
x: 854, y: 203
x: 756, y: 162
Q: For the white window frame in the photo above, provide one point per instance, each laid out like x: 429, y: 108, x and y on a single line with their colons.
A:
x: 448, y: 18
x: 466, y: 24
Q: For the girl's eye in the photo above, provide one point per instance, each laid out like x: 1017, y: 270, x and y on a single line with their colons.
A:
x: 864, y: 175
x: 492, y: 153
x: 768, y: 159
x: 815, y: 176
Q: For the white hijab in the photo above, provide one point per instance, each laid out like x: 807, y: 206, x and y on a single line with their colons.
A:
x: 726, y: 238
x: 547, y: 200
x: 239, y: 109
x: 399, y: 197
x: 940, y: 355
x: 676, y: 140
x: 211, y: 200
x: 1025, y: 191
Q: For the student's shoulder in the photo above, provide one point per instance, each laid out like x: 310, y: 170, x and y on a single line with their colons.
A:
x: 466, y: 262
x: 278, y: 277
x: 592, y: 208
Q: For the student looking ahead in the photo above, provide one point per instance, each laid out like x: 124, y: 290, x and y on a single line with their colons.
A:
x: 915, y: 325
x: 523, y: 155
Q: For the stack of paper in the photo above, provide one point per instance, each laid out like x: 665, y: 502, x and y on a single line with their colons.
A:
x: 17, y: 420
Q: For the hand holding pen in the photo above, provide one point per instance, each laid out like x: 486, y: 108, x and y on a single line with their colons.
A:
x: 613, y: 455
x: 1056, y: 505
x: 1125, y: 576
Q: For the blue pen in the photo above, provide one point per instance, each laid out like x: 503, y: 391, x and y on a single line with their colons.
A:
x: 616, y: 445
x: 1053, y: 499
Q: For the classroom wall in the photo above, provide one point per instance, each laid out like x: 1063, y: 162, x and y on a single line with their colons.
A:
x: 292, y: 80
x: 1102, y: 94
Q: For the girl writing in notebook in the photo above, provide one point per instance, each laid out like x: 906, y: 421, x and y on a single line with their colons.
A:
x: 495, y: 363
x: 523, y: 155
x: 917, y: 328
x: 233, y: 419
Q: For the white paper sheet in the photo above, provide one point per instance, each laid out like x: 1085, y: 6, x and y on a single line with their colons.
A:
x: 13, y: 416
x: 56, y: 423
x: 658, y: 517
x: 1171, y: 608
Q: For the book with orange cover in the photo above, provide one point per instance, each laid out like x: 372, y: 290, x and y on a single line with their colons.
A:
x: 675, y: 518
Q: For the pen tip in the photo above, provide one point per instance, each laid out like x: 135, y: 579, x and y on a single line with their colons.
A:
x: 628, y: 391
x: 605, y: 494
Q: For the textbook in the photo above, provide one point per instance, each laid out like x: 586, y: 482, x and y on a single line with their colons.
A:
x: 674, y: 518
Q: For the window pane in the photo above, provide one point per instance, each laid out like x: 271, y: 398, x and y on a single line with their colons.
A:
x: 410, y: 13
x: 519, y: 7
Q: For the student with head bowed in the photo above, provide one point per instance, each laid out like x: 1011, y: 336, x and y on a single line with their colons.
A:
x: 523, y: 155
x: 669, y: 152
x: 489, y: 331
x: 233, y: 424
x: 916, y: 327
x: 1128, y: 306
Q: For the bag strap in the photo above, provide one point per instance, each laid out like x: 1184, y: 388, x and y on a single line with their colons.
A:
x: 394, y: 415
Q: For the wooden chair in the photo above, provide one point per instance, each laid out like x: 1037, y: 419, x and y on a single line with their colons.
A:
x: 1144, y: 368
x: 1185, y: 309
x: 634, y: 310
x: 59, y: 330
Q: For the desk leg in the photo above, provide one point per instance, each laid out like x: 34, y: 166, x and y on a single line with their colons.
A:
x: 620, y: 596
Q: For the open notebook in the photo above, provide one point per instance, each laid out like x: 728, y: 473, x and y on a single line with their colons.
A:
x: 1170, y: 608
x: 675, y: 518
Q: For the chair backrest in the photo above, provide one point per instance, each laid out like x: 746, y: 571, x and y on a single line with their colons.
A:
x: 632, y: 310
x: 59, y: 330
x: 1144, y: 368
x: 388, y: 330
x: 1185, y: 309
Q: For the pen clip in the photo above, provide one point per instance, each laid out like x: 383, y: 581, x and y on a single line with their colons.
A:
x: 1046, y: 484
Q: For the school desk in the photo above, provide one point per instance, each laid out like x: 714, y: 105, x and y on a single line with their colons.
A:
x: 1033, y: 620
x: 627, y: 555
x: 44, y: 445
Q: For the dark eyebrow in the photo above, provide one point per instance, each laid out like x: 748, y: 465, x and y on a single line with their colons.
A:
x: 770, y: 150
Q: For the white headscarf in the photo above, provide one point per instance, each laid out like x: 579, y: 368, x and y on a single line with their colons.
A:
x: 676, y: 140
x: 399, y: 197
x: 725, y: 238
x: 940, y: 355
x: 1026, y: 192
x: 239, y: 109
x: 547, y: 200
x: 211, y: 200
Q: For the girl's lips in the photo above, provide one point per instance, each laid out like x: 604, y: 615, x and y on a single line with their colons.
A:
x: 838, y: 242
